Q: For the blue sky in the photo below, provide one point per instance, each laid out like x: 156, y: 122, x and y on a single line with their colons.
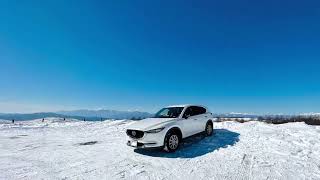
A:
x: 233, y: 56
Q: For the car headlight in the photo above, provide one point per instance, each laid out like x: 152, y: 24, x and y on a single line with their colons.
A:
x: 155, y: 130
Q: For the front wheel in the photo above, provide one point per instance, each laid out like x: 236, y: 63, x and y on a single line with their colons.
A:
x: 209, y: 129
x: 171, y: 142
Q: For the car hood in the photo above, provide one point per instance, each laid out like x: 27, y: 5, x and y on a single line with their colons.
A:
x: 149, y: 123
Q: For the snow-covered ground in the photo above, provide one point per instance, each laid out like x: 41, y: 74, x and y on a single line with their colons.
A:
x: 55, y: 149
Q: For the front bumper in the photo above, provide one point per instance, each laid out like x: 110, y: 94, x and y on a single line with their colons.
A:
x: 139, y: 145
x: 149, y: 140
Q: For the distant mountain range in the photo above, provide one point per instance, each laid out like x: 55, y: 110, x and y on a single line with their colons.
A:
x: 249, y: 115
x: 31, y: 116
x: 235, y: 115
x: 109, y: 114
x: 92, y: 115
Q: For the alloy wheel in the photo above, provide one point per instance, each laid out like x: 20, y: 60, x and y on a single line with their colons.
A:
x: 173, y: 141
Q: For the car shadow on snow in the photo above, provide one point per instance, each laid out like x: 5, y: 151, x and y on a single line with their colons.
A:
x: 197, y: 145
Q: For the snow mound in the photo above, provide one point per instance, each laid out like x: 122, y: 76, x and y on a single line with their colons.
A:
x: 57, y: 149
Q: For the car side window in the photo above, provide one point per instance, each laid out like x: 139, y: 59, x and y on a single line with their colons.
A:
x: 199, y: 110
x: 193, y: 111
x: 202, y: 110
x: 188, y: 112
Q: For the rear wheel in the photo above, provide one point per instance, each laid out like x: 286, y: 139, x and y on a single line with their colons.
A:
x: 172, y: 141
x: 209, y: 129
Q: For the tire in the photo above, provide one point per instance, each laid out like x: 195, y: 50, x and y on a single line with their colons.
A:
x: 209, y: 129
x: 172, y: 141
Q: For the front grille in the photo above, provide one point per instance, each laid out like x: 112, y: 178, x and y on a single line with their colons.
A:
x: 135, y: 134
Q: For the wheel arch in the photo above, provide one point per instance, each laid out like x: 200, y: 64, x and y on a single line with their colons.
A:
x: 209, y: 121
x: 175, y: 129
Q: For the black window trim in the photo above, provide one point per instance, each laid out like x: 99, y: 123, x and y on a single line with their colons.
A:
x: 195, y: 107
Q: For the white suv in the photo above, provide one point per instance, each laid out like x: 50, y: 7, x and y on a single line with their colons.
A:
x: 169, y: 126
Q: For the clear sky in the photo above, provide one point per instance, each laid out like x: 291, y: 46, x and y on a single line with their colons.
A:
x: 231, y: 55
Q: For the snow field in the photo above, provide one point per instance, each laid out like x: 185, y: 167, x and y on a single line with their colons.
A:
x: 57, y: 149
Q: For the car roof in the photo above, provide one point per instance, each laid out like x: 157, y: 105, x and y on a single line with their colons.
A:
x: 187, y: 105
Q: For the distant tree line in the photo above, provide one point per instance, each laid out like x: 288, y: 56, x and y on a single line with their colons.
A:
x: 310, y: 120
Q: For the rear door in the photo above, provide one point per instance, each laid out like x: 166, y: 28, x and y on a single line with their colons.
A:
x: 189, y: 122
x: 200, y: 118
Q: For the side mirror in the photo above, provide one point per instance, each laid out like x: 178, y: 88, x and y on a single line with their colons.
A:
x: 187, y: 116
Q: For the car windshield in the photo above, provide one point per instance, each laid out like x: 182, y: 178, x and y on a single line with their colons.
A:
x: 170, y: 112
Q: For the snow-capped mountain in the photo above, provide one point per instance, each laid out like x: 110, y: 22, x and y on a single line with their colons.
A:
x: 233, y: 115
x: 310, y: 114
x: 31, y: 116
x: 114, y: 114
x: 110, y: 114
x: 79, y: 114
